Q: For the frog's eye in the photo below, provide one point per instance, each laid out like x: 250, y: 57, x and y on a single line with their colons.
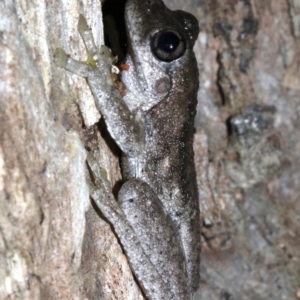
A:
x: 168, y: 45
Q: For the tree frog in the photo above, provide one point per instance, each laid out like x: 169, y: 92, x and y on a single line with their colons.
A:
x: 157, y: 217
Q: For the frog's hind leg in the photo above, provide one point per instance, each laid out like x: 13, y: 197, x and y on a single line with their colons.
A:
x: 157, y: 234
x: 149, y: 279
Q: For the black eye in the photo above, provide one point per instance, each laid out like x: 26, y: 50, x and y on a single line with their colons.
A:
x: 168, y: 45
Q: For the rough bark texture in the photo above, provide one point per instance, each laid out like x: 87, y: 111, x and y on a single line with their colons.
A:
x: 55, y: 245
x: 45, y: 207
x: 247, y: 147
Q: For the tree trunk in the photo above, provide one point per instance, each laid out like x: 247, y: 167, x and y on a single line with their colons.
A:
x: 55, y: 245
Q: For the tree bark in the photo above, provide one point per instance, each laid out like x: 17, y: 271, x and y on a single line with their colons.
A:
x: 55, y: 245
x: 52, y: 245
x: 247, y: 147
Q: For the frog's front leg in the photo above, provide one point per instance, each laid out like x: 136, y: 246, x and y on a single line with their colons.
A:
x: 125, y: 128
x: 150, y: 280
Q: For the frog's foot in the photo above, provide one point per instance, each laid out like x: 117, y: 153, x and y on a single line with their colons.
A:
x: 84, y: 68
x: 89, y: 42
x: 74, y: 66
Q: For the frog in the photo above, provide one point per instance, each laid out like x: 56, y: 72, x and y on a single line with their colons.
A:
x: 157, y: 217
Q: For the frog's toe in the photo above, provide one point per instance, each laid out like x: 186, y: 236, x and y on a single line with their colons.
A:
x: 61, y: 57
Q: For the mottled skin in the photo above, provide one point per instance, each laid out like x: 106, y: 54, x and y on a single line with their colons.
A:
x: 158, y: 222
x: 166, y: 161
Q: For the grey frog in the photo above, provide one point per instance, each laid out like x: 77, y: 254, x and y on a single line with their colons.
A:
x: 158, y: 221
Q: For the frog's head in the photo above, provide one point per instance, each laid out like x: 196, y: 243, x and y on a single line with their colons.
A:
x: 160, y: 52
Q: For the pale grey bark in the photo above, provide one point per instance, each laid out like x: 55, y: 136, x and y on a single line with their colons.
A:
x: 248, y: 54
x: 45, y: 207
